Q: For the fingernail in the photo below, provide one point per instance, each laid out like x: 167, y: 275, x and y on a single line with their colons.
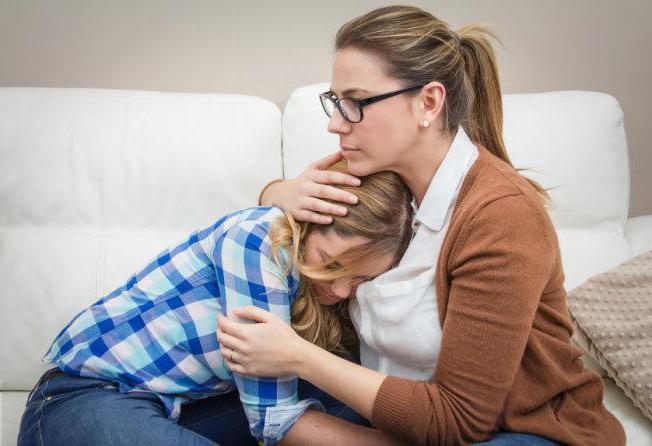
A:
x: 341, y: 211
x: 356, y: 182
x: 353, y: 199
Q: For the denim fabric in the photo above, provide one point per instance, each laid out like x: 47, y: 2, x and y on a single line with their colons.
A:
x: 517, y: 439
x: 70, y: 410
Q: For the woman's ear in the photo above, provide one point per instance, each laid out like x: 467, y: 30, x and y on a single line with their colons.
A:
x: 431, y: 102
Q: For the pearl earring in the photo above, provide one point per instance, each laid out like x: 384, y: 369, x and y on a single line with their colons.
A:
x: 426, y: 123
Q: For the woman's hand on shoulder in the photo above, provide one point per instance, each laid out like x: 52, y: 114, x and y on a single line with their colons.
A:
x: 304, y: 196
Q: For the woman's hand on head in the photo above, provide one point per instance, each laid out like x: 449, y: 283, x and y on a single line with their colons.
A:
x: 268, y: 348
x: 303, y: 196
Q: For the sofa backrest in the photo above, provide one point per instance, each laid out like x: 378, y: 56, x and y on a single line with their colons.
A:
x: 96, y: 182
x: 572, y: 141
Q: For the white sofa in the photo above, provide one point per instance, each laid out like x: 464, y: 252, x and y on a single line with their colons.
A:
x: 95, y: 182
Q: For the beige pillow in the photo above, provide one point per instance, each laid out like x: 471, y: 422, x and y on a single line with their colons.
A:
x: 612, y: 315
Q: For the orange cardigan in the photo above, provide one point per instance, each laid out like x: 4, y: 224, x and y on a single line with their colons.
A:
x: 506, y: 361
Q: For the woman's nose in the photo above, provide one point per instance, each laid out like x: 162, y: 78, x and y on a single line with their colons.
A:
x: 341, y: 288
x: 337, y: 124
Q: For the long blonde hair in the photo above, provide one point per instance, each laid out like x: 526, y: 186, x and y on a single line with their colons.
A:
x: 417, y: 48
x: 383, y: 215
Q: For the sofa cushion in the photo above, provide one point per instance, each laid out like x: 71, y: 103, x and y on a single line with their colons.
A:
x: 95, y: 182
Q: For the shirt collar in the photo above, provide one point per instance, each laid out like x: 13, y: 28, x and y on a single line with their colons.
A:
x: 444, y: 183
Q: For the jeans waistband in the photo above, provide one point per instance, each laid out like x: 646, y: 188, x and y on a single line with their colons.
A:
x: 44, y: 377
x: 56, y: 371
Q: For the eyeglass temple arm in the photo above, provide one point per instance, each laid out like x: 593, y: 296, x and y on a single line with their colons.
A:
x: 368, y: 101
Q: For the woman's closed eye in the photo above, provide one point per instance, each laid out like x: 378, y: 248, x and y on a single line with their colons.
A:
x: 330, y: 265
x: 333, y: 266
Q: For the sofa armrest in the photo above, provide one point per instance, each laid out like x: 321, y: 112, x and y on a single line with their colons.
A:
x: 638, y: 232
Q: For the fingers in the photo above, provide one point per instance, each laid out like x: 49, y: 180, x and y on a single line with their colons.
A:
x: 314, y: 203
x: 332, y: 177
x: 231, y: 358
x: 230, y: 355
x: 234, y: 329
x: 332, y: 193
x: 237, y: 368
x: 228, y: 342
x: 327, y: 161
x: 314, y: 217
x: 227, y: 354
x: 306, y: 196
x: 254, y: 314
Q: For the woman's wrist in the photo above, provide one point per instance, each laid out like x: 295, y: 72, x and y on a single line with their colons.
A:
x: 265, y: 194
x: 305, y: 356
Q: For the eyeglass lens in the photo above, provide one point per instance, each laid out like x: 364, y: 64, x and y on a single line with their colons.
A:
x: 349, y: 108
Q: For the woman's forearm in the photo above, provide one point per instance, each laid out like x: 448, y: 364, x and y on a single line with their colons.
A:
x: 316, y: 428
x: 350, y: 383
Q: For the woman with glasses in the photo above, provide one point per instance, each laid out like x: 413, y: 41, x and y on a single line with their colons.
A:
x: 467, y: 339
x: 143, y: 365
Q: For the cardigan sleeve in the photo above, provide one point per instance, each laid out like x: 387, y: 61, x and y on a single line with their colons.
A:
x: 499, y: 266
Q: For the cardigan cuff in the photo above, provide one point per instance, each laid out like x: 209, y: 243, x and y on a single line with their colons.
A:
x: 262, y: 191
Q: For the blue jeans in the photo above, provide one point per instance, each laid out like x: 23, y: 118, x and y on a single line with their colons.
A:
x: 71, y: 410
x: 516, y: 439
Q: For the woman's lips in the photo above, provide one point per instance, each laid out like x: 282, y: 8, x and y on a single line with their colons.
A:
x: 348, y: 151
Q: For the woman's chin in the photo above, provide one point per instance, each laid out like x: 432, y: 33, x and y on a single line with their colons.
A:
x: 359, y: 168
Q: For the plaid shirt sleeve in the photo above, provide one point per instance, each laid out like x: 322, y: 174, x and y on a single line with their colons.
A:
x: 247, y: 275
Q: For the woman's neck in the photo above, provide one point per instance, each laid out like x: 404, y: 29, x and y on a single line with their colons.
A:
x: 420, y: 165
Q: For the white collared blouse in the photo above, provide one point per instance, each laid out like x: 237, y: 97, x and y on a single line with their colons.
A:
x: 396, y: 314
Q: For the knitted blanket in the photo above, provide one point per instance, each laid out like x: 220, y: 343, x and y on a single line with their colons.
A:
x: 612, y: 314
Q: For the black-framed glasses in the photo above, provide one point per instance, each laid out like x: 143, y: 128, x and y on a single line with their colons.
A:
x: 351, y: 109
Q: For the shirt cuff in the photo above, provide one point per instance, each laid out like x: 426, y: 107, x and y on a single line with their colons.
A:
x: 279, y: 419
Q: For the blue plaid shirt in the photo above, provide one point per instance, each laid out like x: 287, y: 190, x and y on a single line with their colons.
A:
x: 157, y: 332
